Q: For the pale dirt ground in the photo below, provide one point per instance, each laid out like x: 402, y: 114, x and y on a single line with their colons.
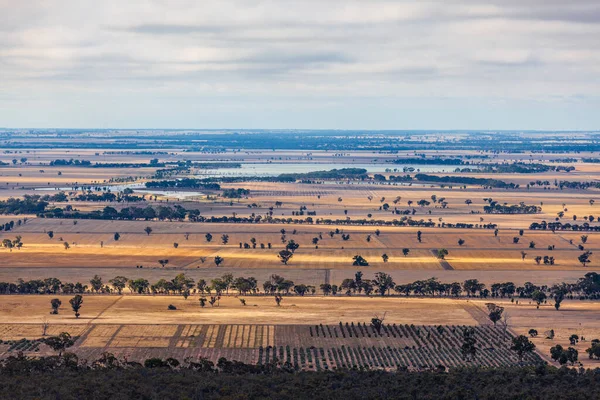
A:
x: 259, y: 310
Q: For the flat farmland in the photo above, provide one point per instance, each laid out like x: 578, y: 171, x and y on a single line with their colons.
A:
x: 139, y: 327
x: 92, y: 244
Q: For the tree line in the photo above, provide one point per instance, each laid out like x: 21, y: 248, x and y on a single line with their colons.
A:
x: 588, y: 287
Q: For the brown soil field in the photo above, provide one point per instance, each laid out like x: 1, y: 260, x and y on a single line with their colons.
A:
x: 125, y: 323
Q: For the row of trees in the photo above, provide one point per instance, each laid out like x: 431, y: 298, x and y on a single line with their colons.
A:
x: 382, y: 284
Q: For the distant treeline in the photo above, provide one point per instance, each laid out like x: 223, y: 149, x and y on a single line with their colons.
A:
x: 495, y: 183
x: 179, y: 213
x: 190, y: 183
x: 27, y: 205
x: 83, y: 163
x: 516, y: 168
x: 560, y: 226
x: 496, y: 208
x: 109, y: 196
x: 235, y: 193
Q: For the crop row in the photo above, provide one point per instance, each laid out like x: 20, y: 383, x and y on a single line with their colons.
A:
x: 378, y: 357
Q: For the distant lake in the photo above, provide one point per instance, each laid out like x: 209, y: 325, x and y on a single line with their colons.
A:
x: 274, y: 169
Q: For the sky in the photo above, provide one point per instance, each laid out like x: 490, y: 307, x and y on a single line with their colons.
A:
x: 327, y: 64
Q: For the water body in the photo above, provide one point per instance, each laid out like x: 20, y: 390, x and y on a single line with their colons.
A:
x: 273, y: 169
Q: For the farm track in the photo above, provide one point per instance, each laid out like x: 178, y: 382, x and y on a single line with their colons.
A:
x: 478, y: 315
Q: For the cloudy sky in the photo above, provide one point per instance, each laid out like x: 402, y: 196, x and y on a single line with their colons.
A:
x: 343, y: 64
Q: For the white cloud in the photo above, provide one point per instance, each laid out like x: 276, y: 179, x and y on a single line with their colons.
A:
x: 308, y: 52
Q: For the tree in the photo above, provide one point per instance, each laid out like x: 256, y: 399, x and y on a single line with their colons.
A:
x: 96, y: 283
x: 522, y: 345
x: 494, y: 312
x: 292, y: 246
x: 218, y: 260
x: 202, y: 302
x: 442, y: 253
x: 461, y: 242
x: 163, y: 262
x: 148, y: 230
x: 405, y: 251
x: 559, y: 292
x: 67, y: 245
x: 468, y: 348
x: 384, y: 282
x: 385, y: 257
x: 285, y: 255
x: 377, y: 323
x: 117, y: 236
x: 208, y: 237
x: 523, y: 254
x: 76, y: 303
x: 224, y: 238
x: 119, y: 283
x: 55, y: 304
x: 50, y: 234
x: 358, y: 260
x: 584, y: 239
x: 419, y: 234
x: 539, y: 297
x: 532, y: 245
x: 59, y: 343
x: 594, y: 350
x: 533, y: 332
x: 585, y: 258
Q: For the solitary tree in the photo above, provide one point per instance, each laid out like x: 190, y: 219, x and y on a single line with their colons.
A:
x: 442, y: 253
x: 76, y: 303
x: 208, y: 237
x: 584, y: 258
x: 55, y: 304
x: 385, y: 258
x: 148, y: 230
x: 494, y: 312
x: 292, y: 246
x: 163, y: 262
x: 225, y: 238
x: 377, y: 323
x: 285, y: 255
x: 358, y: 260
x: 405, y: 251
x: 522, y: 345
x: 218, y: 260
x: 117, y: 236
x: 50, y: 234
x: 461, y: 242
